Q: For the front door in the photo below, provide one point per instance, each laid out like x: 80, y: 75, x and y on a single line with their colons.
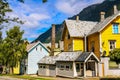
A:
x: 79, y: 69
x: 90, y: 69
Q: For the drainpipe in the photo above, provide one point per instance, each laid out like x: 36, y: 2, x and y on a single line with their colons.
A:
x: 85, y: 42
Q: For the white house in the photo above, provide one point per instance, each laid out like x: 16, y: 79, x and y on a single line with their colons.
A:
x: 36, y: 51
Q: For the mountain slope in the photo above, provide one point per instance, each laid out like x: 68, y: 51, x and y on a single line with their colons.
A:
x: 90, y: 13
x: 46, y: 36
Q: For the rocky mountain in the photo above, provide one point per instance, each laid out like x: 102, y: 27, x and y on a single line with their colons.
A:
x: 90, y: 13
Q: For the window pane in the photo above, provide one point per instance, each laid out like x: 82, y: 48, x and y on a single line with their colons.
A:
x: 115, y: 28
x: 112, y: 45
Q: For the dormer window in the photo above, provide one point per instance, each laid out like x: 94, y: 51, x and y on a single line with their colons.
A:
x: 115, y: 28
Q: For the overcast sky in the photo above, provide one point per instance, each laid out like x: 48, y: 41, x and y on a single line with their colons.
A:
x: 39, y: 16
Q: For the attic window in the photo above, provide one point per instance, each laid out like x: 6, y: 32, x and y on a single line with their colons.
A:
x: 115, y: 28
x: 40, y: 48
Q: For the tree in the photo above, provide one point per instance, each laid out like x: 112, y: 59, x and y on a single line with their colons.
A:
x: 4, y: 8
x: 115, y: 55
x: 14, y: 48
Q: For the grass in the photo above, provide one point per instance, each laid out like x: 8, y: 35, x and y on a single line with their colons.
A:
x: 24, y: 77
x: 112, y: 65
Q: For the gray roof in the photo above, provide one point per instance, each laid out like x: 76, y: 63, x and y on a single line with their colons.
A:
x: 68, y: 56
x: 83, y: 56
x: 63, y: 56
x: 98, y: 27
x: 33, y: 45
x: 48, y: 60
x: 79, y: 28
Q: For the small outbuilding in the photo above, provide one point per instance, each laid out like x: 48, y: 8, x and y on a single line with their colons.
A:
x: 69, y: 64
x: 47, y: 66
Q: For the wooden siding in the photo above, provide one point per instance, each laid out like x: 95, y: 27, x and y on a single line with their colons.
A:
x: 67, y: 42
x: 64, y: 73
x: 78, y: 44
x: 94, y: 38
x: 107, y: 34
x: 52, y: 70
x: 42, y: 71
x: 34, y: 56
x: 49, y: 70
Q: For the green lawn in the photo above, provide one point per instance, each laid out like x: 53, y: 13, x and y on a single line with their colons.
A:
x: 25, y: 77
x: 112, y: 64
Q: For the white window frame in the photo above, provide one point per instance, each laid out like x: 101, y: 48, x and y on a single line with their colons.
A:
x: 113, y: 29
x: 114, y: 43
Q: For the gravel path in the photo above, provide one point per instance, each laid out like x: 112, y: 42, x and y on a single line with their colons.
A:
x: 9, y: 78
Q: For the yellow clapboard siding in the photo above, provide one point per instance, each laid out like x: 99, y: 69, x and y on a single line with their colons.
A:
x: 78, y: 44
x: 107, y: 34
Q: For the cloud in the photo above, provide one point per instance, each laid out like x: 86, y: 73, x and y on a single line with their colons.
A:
x: 73, y: 7
x: 30, y: 15
x: 33, y: 20
x: 38, y: 17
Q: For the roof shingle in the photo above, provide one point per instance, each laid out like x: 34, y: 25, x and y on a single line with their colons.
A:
x: 79, y: 28
x: 98, y: 27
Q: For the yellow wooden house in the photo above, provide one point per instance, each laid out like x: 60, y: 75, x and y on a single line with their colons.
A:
x: 105, y: 36
x: 98, y: 37
x: 74, y: 32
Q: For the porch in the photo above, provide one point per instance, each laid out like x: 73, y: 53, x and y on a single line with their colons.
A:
x: 86, y: 65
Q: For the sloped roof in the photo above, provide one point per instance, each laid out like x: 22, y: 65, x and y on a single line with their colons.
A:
x: 79, y: 28
x: 68, y: 56
x: 33, y: 45
x: 63, y: 56
x: 48, y: 60
x: 83, y: 56
x: 101, y: 25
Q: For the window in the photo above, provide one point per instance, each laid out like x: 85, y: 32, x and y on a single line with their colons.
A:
x: 112, y: 44
x: 67, y: 67
x: 44, y: 67
x: 61, y: 67
x: 92, y: 45
x: 70, y: 47
x: 68, y: 36
x: 40, y: 48
x: 115, y: 28
x: 40, y: 66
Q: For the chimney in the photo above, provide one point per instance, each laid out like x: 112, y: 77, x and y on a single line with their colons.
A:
x: 115, y: 9
x: 102, y: 16
x: 77, y: 18
x: 53, y: 40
